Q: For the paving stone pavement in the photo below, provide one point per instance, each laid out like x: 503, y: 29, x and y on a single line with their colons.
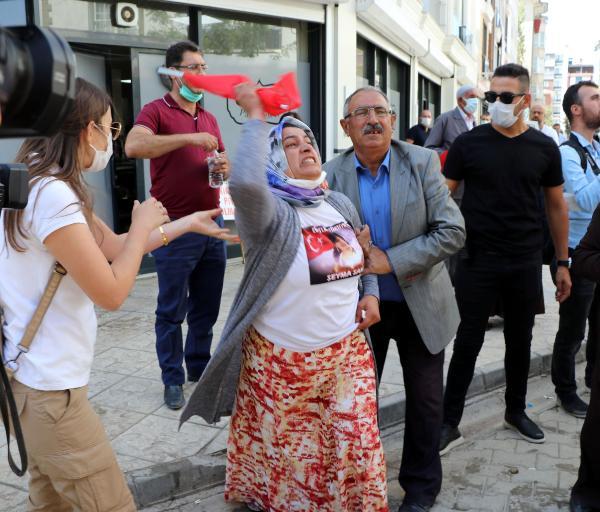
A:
x: 493, y: 471
x: 126, y: 390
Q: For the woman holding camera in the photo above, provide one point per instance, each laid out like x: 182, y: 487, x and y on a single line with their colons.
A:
x: 71, y: 462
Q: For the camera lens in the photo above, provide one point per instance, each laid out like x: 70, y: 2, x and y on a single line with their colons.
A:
x: 37, y: 81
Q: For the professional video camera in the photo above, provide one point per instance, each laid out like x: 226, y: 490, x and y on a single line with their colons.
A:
x: 37, y: 86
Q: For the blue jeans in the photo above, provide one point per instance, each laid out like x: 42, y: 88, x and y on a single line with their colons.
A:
x: 190, y: 281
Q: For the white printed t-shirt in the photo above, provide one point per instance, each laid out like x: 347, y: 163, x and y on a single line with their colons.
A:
x: 315, y: 304
x: 61, y: 352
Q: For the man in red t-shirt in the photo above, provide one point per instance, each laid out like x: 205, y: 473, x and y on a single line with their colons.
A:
x: 177, y: 135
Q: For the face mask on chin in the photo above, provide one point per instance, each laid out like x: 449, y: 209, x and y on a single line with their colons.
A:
x: 307, y: 184
x: 502, y: 114
x: 101, y: 158
x: 187, y: 94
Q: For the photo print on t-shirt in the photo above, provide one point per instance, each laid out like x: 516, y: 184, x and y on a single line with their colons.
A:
x: 333, y: 253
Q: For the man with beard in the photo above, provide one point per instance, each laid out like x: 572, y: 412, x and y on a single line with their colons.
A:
x: 581, y: 169
x: 503, y: 165
x: 414, y: 225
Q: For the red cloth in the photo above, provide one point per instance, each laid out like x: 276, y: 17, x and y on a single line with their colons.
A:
x: 278, y: 98
x: 443, y: 158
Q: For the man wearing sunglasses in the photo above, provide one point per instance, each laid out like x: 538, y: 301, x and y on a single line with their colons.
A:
x: 413, y: 225
x: 503, y: 165
x: 178, y: 135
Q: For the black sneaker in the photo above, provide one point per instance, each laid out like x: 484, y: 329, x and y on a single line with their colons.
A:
x: 450, y: 438
x: 174, y: 397
x: 574, y: 405
x: 524, y: 426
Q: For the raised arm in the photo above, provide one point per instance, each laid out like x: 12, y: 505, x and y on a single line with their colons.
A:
x: 254, y: 203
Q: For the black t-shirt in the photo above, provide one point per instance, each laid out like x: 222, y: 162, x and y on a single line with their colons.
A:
x: 502, y: 178
x: 418, y: 134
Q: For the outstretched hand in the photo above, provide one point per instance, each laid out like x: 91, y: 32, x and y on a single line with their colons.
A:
x: 204, y: 224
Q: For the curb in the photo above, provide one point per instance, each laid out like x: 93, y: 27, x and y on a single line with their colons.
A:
x: 191, y: 474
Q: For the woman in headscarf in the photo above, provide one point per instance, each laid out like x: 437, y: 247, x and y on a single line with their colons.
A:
x: 294, y: 367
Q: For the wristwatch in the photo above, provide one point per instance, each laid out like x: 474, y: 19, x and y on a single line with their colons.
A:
x: 564, y: 263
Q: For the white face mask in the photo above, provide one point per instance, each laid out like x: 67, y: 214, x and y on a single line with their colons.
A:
x: 308, y: 184
x: 425, y: 121
x: 471, y: 105
x: 503, y: 115
x: 101, y: 158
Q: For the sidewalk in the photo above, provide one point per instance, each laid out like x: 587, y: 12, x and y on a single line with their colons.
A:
x: 493, y: 471
x: 127, y: 393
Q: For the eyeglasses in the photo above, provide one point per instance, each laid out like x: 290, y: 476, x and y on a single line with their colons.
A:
x: 193, y: 67
x: 363, y: 112
x: 505, y: 97
x: 115, y: 129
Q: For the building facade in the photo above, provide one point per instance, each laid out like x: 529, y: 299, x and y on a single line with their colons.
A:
x: 418, y: 51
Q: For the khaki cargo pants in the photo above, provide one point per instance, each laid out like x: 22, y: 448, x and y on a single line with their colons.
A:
x: 72, y: 466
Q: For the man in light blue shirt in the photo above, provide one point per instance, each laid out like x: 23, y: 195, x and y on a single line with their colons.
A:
x: 374, y: 192
x: 581, y: 171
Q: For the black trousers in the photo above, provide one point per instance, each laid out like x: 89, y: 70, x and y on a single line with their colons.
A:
x: 421, y: 469
x: 479, y: 281
x: 593, y: 340
x: 573, y: 314
x: 587, y: 487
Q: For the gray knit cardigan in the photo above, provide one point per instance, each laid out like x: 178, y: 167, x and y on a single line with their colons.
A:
x: 270, y: 230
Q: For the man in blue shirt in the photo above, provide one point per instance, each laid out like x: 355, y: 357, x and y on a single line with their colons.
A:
x: 581, y: 105
x: 414, y: 226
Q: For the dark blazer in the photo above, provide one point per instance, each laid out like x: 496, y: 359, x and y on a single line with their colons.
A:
x: 427, y: 228
x: 446, y: 128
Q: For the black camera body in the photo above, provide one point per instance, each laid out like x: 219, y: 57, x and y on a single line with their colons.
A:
x: 14, y: 186
x: 37, y: 87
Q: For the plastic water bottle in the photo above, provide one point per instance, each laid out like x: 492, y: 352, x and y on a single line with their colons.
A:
x: 215, y: 178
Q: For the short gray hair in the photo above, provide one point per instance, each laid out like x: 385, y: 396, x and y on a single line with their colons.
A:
x: 366, y: 88
x: 464, y: 90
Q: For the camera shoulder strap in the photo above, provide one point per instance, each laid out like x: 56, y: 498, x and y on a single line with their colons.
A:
x: 8, y: 407
x: 58, y: 272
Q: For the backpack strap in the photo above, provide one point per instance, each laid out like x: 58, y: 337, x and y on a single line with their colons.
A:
x: 584, y: 154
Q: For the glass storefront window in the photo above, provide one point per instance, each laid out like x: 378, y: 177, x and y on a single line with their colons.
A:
x: 377, y: 67
x: 362, y: 77
x: 155, y: 22
x: 261, y: 48
x: 429, y: 96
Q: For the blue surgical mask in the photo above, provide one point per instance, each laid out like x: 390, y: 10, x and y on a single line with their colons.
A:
x: 471, y: 105
x: 189, y: 95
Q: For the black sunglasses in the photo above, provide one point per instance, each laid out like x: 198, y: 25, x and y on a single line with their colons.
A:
x: 505, y: 97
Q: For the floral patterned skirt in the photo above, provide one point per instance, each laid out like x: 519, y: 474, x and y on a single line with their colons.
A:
x: 303, y: 434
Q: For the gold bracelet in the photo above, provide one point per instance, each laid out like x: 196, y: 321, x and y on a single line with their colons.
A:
x: 164, y: 235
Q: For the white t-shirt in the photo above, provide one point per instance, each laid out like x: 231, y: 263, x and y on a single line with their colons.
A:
x: 550, y: 132
x: 315, y: 304
x: 60, y: 356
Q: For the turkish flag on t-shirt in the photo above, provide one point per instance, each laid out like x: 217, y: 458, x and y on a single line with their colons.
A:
x: 315, y: 243
x: 278, y: 98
